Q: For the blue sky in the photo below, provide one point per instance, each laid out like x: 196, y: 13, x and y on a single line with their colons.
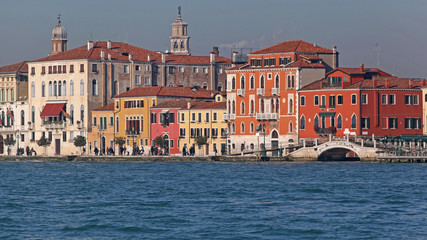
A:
x: 353, y: 26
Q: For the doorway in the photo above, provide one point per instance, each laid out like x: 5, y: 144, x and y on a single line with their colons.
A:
x: 57, y: 146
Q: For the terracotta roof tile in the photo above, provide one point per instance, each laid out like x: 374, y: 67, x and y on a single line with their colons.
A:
x: 183, y: 104
x: 168, y: 91
x: 304, y: 64
x: 21, y: 67
x: 172, y: 104
x: 109, y: 107
x: 172, y: 58
x: 293, y: 46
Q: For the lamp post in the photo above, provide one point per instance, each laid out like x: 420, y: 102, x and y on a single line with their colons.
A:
x: 17, y: 142
x: 262, y: 128
x: 132, y: 134
x: 100, y: 134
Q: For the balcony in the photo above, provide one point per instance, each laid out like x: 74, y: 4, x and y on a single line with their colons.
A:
x: 260, y: 91
x: 6, y: 129
x: 331, y: 105
x: 80, y: 125
x: 323, y: 106
x: 275, y: 91
x: 267, y: 116
x: 54, y: 125
x: 30, y: 126
x: 232, y: 116
x: 241, y: 92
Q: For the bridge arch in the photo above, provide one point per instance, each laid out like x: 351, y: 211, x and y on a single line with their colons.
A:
x: 338, y: 153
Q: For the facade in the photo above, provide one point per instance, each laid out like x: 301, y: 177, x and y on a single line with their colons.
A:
x: 132, y: 111
x: 262, y: 94
x: 369, y: 104
x: 14, y: 115
x: 102, y: 134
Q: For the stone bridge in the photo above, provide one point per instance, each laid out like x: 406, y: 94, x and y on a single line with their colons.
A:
x: 335, y: 150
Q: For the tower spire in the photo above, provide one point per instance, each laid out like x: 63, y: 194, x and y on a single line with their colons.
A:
x: 59, y: 18
x: 180, y: 44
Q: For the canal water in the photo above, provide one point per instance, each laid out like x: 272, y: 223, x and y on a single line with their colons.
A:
x: 212, y: 200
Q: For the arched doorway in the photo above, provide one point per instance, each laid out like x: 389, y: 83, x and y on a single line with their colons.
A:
x: 166, y: 138
x: 1, y: 145
x: 103, y: 145
x: 274, y: 143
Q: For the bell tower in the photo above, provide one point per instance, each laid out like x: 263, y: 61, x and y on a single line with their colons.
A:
x: 59, y: 38
x: 180, y: 41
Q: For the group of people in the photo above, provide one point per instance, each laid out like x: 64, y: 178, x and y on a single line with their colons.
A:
x: 154, y: 150
x: 110, y: 151
x: 190, y: 152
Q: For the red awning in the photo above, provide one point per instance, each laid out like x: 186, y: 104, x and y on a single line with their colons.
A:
x: 52, y: 110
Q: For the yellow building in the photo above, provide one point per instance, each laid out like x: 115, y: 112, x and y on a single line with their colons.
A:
x: 132, y: 111
x: 204, y: 119
x: 102, y: 135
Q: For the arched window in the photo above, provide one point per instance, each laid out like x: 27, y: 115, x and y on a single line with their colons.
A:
x: 233, y: 128
x: 182, y: 45
x: 59, y: 88
x: 233, y: 83
x: 55, y: 88
x: 175, y: 45
x: 291, y: 106
x: 33, y: 90
x: 353, y: 121
x: 252, y: 82
x: 50, y: 89
x: 71, y: 88
x: 274, y: 134
x: 339, y: 122
x: 142, y: 124
x: 229, y: 106
x: 277, y: 105
x: 291, y: 127
x: 205, y: 85
x: 43, y: 89
x: 293, y: 81
x: 22, y: 118
x: 289, y: 81
x: 82, y: 113
x: 234, y: 107
x: 33, y: 114
x: 272, y: 106
x: 252, y: 111
x: 277, y: 81
x: 117, y: 124
x: 242, y: 127
x: 262, y: 105
x: 242, y: 82
x: 64, y: 88
x: 72, y: 114
x: 242, y: 108
x: 261, y: 82
x: 82, y: 88
x: 94, y: 88
x: 316, y: 121
x: 302, y: 123
x: 252, y: 127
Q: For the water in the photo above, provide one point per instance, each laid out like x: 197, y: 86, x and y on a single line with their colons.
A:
x: 211, y: 200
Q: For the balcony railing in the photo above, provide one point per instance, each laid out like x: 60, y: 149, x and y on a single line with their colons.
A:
x: 6, y: 129
x: 323, y: 106
x: 80, y: 125
x: 232, y: 116
x: 54, y: 125
x: 241, y: 92
x: 331, y: 105
x: 275, y: 91
x: 31, y: 126
x: 267, y: 116
x: 260, y: 91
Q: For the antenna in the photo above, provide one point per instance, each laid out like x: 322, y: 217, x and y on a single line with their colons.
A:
x: 378, y: 49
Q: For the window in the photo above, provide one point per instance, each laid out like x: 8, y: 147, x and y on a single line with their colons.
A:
x: 205, y: 70
x: 33, y: 90
x: 276, y: 81
x: 365, y: 124
x: 339, y: 100
x: 252, y: 127
x: 71, y: 68
x: 182, y: 132
x: 384, y: 99
x: 153, y: 117
x: 193, y: 117
x: 171, y: 70
x: 316, y: 100
x: 182, y: 117
x: 364, y: 99
x: 353, y: 99
x: 302, y: 100
x: 233, y: 83
x: 33, y: 114
x: 412, y: 123
x: 72, y: 113
x: 332, y: 101
x: 316, y: 121
x: 43, y: 70
x: 392, y: 123
x: 82, y: 113
x: 126, y: 69
x: 82, y: 68
x: 94, y: 87
x: 71, y: 88
x: 353, y: 121
x: 43, y: 89
x: 82, y: 88
x: 33, y: 70
x: 180, y: 69
x: 137, y: 79
x: 242, y: 108
x: 137, y: 68
x: 242, y: 82
x: 262, y: 82
x: 214, y: 117
x: 195, y: 70
x: 242, y: 128
x: 111, y: 121
x: 339, y: 122
x: 94, y: 68
x: 408, y: 99
x: 94, y: 121
x: 415, y: 100
x: 302, y: 123
x: 199, y: 119
x: 391, y: 99
x: 147, y: 80
x: 252, y: 83
x: 323, y: 102
x: 207, y: 117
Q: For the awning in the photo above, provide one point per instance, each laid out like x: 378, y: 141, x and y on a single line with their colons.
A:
x: 326, y: 114
x: 52, y: 110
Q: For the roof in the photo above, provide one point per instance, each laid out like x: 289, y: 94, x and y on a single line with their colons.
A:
x: 183, y: 104
x: 301, y: 63
x: 21, y: 67
x: 168, y: 91
x: 293, y: 46
x: 109, y: 107
x: 120, y: 52
x: 382, y: 82
x: 355, y: 71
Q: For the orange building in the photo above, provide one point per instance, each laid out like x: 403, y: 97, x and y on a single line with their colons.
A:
x: 102, y: 134
x: 263, y: 93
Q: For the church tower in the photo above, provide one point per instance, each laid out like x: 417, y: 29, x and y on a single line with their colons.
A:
x: 59, y: 38
x: 180, y: 41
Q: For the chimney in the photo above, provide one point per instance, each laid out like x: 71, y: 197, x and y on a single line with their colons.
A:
x: 335, y: 57
x: 102, y: 54
x: 148, y: 58
x: 89, y: 45
x: 109, y: 44
x: 130, y: 57
x: 334, y: 49
x: 374, y: 83
x: 386, y: 83
x: 424, y: 82
x: 109, y: 56
x: 163, y: 58
x: 212, y: 57
x: 216, y: 51
x: 362, y: 67
x: 234, y: 56
x: 410, y: 83
x: 188, y: 105
x: 314, y: 45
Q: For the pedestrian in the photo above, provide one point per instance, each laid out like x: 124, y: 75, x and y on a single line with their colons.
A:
x: 96, y: 151
x: 27, y: 149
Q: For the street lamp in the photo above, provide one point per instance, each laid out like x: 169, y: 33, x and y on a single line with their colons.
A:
x: 132, y: 134
x: 262, y: 128
x: 17, y: 141
x: 100, y: 135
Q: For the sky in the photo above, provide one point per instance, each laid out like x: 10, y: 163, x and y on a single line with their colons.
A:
x: 357, y: 27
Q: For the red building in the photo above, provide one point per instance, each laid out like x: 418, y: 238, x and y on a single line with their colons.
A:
x: 263, y: 92
x: 361, y: 100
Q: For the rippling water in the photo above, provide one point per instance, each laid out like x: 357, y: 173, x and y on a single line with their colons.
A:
x: 211, y: 200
